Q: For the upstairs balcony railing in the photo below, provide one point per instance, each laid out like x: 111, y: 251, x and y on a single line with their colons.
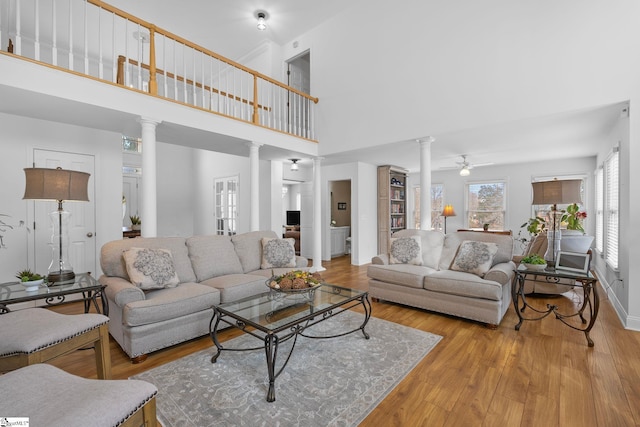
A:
x: 95, y: 39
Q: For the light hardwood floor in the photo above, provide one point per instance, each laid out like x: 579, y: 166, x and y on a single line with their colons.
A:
x: 543, y: 375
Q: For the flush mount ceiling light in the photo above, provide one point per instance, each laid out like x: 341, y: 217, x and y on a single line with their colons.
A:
x: 294, y: 165
x: 261, y: 17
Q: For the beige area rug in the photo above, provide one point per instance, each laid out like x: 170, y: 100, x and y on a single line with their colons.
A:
x: 330, y: 382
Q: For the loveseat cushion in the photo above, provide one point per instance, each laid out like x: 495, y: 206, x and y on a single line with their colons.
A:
x: 452, y: 242
x: 112, y: 262
x: 408, y: 275
x: 463, y: 284
x: 232, y: 287
x: 431, y: 243
x: 212, y: 256
x: 170, y: 303
x: 249, y: 248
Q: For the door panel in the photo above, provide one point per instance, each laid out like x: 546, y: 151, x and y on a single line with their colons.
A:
x: 81, y: 229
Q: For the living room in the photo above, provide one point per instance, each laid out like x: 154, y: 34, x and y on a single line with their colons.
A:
x: 461, y: 72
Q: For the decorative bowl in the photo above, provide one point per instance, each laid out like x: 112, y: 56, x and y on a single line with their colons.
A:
x: 310, y: 281
x: 32, y: 285
x: 535, y: 267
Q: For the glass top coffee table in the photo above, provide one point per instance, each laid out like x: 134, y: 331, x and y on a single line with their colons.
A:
x: 275, y: 317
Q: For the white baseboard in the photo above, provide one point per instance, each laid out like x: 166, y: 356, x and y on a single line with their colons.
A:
x: 629, y: 322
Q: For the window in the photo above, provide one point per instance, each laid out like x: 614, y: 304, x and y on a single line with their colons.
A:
x: 611, y: 213
x: 600, y: 210
x: 437, y: 204
x: 226, y: 199
x: 131, y: 145
x: 486, y: 204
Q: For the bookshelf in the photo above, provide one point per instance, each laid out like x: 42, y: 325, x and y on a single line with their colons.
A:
x: 392, y: 204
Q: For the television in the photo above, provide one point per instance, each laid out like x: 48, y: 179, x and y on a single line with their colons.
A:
x: 293, y: 217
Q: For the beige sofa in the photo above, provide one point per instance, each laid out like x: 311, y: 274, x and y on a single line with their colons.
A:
x: 436, y: 285
x: 210, y: 270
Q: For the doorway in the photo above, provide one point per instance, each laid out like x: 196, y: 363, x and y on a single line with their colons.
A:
x: 298, y: 77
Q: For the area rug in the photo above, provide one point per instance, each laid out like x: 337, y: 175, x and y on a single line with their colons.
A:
x: 330, y: 382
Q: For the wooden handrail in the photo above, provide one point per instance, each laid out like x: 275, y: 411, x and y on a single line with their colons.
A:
x: 120, y: 80
x: 153, y: 29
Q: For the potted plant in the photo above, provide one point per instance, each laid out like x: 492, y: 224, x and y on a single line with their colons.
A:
x: 136, y: 223
x: 573, y: 238
x: 534, y: 262
x: 30, y: 280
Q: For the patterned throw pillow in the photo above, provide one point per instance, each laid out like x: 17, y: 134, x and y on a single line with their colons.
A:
x: 474, y: 257
x: 406, y: 250
x: 150, y: 268
x: 278, y: 253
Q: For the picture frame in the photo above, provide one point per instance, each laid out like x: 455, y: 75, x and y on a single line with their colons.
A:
x: 574, y: 262
x: 342, y: 206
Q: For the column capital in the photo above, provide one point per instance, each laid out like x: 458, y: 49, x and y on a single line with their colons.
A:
x: 253, y: 144
x: 148, y: 121
x: 426, y: 141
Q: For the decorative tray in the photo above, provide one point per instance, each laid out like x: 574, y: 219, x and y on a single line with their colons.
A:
x: 290, y: 283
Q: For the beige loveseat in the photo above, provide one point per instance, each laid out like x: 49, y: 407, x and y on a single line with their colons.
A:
x: 210, y: 270
x: 438, y: 284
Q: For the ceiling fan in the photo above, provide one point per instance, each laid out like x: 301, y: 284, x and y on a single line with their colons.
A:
x: 465, y: 166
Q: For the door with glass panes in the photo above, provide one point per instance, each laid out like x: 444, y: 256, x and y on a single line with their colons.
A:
x: 226, y: 200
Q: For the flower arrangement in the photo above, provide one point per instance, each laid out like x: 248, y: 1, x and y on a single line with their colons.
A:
x: 574, y: 217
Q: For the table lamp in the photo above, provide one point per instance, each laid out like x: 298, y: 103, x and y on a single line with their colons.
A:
x: 553, y: 193
x: 446, y: 212
x: 58, y: 185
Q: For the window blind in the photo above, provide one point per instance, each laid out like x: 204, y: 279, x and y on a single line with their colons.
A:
x: 600, y: 210
x: 612, y: 188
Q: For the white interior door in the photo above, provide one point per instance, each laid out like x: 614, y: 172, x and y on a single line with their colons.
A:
x: 82, y: 242
x: 130, y: 191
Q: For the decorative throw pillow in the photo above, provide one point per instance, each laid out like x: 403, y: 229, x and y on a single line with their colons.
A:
x: 150, y: 268
x: 278, y: 253
x: 475, y: 257
x: 406, y: 250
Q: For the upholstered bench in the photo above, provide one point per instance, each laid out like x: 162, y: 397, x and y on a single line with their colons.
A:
x: 36, y: 335
x: 48, y: 396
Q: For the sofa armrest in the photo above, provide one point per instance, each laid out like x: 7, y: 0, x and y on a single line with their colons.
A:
x: 301, y: 261
x: 121, y: 291
x: 502, y: 273
x: 381, y: 259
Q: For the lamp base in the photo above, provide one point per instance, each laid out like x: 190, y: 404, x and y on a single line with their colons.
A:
x: 61, y: 277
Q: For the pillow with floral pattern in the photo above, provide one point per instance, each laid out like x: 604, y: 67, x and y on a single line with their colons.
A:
x: 150, y: 268
x: 405, y: 250
x: 475, y: 257
x: 277, y: 253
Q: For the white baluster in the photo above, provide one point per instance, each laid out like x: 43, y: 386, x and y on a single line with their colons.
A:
x: 184, y: 74
x: 71, y: 59
x: 86, y: 41
x: 127, y: 76
x: 210, y: 83
x: 100, y: 61
x: 193, y: 81
x: 18, y: 46
x: 140, y: 57
x: 164, y: 64
x: 114, y: 53
x: 36, y: 43
x: 175, y: 71
x: 54, y: 34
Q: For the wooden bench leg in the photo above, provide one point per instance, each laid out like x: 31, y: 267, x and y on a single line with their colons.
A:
x: 103, y: 353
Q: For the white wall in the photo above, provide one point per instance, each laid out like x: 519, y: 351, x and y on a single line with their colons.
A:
x: 175, y: 190
x: 19, y: 136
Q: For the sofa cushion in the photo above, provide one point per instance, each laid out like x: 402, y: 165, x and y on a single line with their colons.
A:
x: 405, y: 250
x: 249, y: 248
x: 475, y: 257
x: 452, y: 242
x: 112, y: 262
x: 431, y: 243
x: 463, y: 284
x: 400, y: 274
x: 212, y: 256
x: 232, y: 287
x: 150, y: 268
x: 278, y: 253
x: 171, y: 303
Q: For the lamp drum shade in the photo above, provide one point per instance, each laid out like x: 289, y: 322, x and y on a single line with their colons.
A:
x: 56, y: 184
x: 556, y: 192
x: 448, y: 211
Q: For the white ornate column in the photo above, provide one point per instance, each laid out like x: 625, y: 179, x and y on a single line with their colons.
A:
x: 425, y: 182
x: 254, y: 159
x: 317, y: 216
x: 149, y: 205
